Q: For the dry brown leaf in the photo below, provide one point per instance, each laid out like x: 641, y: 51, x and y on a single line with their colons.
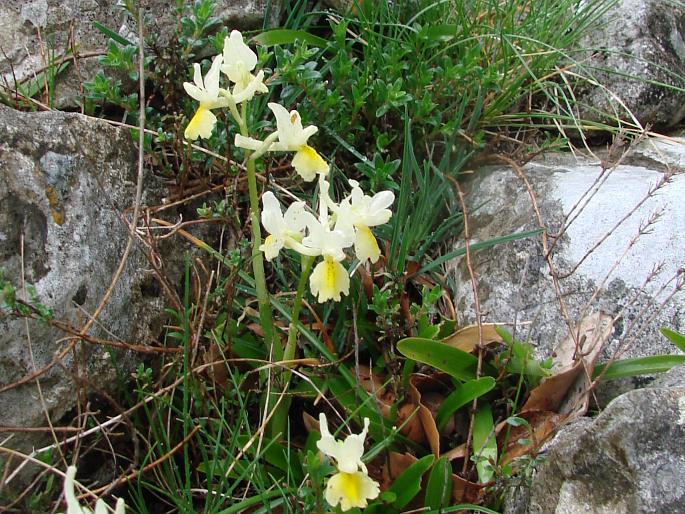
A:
x: 420, y: 385
x: 541, y: 425
x: 408, y: 419
x: 467, y: 338
x: 593, y: 331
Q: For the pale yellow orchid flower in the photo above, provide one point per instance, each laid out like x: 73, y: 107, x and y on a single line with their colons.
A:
x: 290, y: 136
x: 358, y: 212
x: 351, y: 486
x: 207, y: 92
x: 238, y: 61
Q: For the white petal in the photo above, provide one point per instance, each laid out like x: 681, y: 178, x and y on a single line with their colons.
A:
x: 295, y: 217
x: 247, y: 142
x: 382, y: 200
x: 271, y: 246
x: 347, y: 453
x: 256, y: 85
x: 235, y: 50
x: 101, y: 507
x: 73, y: 506
x: 197, y: 76
x: 272, y: 215
x: 212, y: 78
x: 194, y: 92
x: 121, y: 507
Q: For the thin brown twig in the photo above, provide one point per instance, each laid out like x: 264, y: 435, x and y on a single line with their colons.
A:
x: 476, y: 299
x: 545, y: 247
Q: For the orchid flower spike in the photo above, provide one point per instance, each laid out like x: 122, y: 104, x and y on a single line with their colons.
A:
x: 73, y: 506
x: 358, y: 212
x: 351, y: 487
x: 292, y: 137
x: 238, y: 61
x: 207, y: 93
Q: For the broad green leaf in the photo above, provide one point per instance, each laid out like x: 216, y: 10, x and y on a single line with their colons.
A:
x: 458, y: 364
x: 439, y: 486
x: 484, y: 443
x: 287, y: 36
x: 408, y: 484
x: 112, y: 35
x: 676, y: 338
x: 639, y: 366
x: 463, y: 394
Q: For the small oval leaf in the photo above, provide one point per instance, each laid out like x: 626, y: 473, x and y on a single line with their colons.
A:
x: 463, y: 394
x: 458, y: 364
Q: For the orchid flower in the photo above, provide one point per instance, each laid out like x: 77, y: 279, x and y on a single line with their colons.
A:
x: 291, y: 137
x: 238, y: 61
x: 284, y: 230
x: 359, y: 212
x: 207, y: 93
x: 73, y: 506
x: 329, y: 279
x: 351, y: 486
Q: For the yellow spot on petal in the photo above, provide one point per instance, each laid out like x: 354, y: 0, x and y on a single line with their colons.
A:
x: 201, y: 125
x: 328, y: 280
x: 307, y: 163
x: 365, y: 244
x: 351, y: 490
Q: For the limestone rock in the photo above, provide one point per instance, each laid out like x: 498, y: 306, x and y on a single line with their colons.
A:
x: 643, y: 42
x: 32, y: 31
x: 65, y: 181
x: 630, y: 459
x: 514, y: 282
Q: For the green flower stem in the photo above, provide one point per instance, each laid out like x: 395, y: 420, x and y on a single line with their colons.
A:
x: 257, y: 259
x: 279, y: 420
x: 306, y: 264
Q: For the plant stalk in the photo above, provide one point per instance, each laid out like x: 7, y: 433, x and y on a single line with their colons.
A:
x: 257, y: 260
x: 280, y: 418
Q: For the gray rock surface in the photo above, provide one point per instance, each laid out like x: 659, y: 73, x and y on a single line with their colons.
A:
x: 65, y: 181
x: 643, y: 42
x: 514, y: 282
x: 32, y: 30
x: 630, y: 459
